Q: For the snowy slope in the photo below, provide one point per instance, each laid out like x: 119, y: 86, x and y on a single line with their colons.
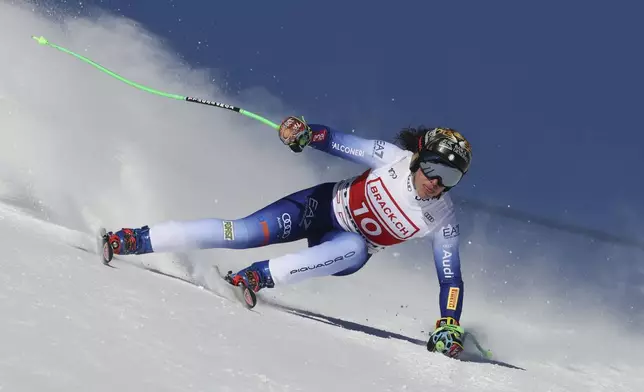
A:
x: 69, y: 323
x: 80, y: 150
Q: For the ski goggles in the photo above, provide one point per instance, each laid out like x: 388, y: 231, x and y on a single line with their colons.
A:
x: 448, y: 176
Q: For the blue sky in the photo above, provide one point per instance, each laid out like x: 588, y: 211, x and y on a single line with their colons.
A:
x: 547, y: 92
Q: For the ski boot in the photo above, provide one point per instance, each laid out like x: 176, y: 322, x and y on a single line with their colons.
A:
x: 250, y: 280
x: 125, y: 242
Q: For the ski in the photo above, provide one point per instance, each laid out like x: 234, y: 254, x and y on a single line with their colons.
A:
x: 242, y: 292
x: 103, y: 247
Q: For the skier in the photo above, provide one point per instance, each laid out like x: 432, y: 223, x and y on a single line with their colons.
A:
x: 403, y: 195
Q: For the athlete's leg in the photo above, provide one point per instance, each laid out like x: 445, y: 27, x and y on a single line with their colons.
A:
x: 288, y: 219
x: 316, y: 240
x: 337, y: 253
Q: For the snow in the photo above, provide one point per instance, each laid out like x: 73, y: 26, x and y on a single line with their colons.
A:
x: 81, y: 150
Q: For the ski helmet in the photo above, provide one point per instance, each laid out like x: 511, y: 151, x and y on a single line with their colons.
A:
x: 443, y: 153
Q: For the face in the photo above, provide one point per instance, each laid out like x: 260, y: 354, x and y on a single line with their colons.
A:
x: 426, y: 188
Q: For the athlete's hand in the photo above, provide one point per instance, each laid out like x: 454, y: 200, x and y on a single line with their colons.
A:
x: 295, y: 133
x: 447, y: 338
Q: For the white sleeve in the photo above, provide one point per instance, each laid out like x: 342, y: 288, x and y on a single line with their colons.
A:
x: 371, y: 152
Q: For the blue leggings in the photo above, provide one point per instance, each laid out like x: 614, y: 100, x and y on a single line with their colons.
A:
x: 306, y: 214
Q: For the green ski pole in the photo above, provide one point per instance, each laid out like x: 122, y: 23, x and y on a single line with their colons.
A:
x: 484, y: 352
x: 43, y: 41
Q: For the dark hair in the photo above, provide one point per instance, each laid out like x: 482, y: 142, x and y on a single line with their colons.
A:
x: 407, y: 138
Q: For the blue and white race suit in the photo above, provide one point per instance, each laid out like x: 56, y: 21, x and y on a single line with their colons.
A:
x: 345, y: 223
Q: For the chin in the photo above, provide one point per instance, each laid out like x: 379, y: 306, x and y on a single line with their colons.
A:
x: 434, y: 194
x: 431, y: 194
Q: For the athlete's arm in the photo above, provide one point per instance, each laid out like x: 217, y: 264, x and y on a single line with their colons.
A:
x: 373, y: 153
x: 448, y: 267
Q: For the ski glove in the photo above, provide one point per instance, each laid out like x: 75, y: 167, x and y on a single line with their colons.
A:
x: 447, y: 338
x: 295, y: 133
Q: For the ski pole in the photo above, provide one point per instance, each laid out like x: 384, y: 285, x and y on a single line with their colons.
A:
x: 484, y: 352
x: 43, y: 41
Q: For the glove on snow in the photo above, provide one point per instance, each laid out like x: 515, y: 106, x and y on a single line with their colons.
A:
x: 447, y: 338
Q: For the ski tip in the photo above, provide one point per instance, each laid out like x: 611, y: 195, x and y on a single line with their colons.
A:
x: 243, y: 292
x: 250, y: 298
x: 107, y: 254
x: 104, y: 248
